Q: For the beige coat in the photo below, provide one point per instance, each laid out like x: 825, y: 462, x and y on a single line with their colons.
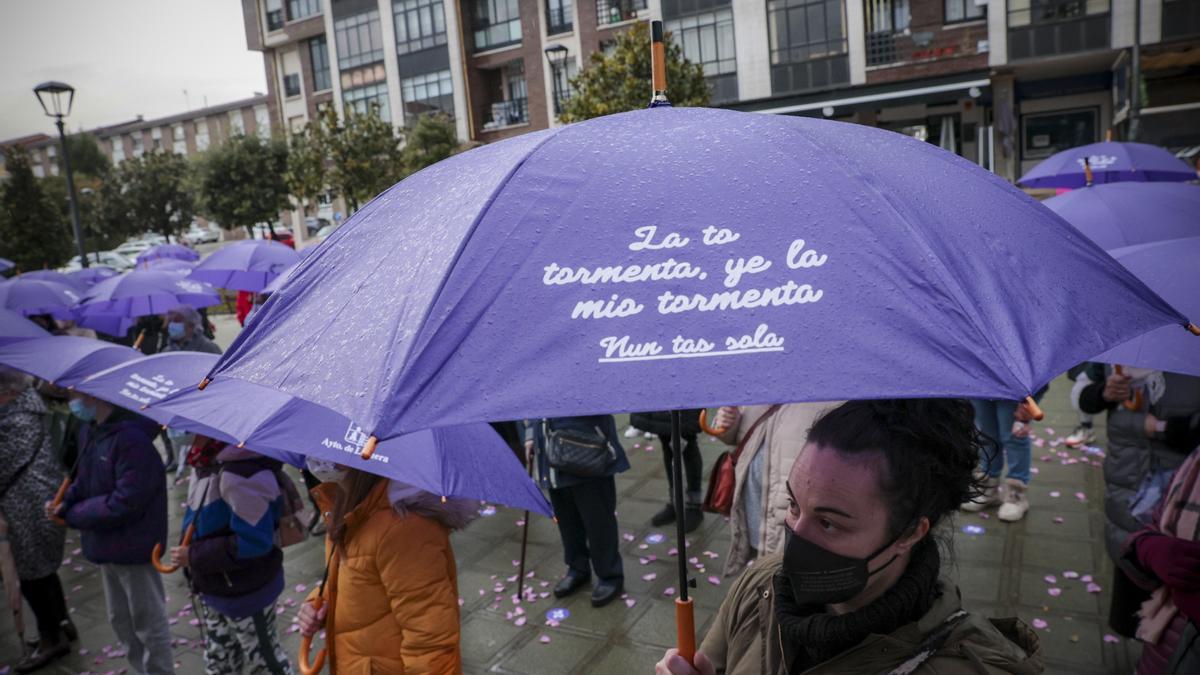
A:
x: 745, y: 638
x: 781, y: 437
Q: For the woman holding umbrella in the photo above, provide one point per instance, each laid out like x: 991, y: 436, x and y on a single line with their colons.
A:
x: 859, y: 586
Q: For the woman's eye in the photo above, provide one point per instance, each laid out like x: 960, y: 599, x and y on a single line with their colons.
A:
x: 827, y: 525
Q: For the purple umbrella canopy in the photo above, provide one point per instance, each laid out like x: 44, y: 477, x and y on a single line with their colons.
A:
x: 169, y: 265
x: 56, y: 277
x: 246, y: 265
x: 90, y: 276
x: 682, y: 257
x: 1172, y: 270
x: 64, y: 360
x: 14, y: 327
x: 6, y: 264
x: 168, y: 251
x: 469, y: 461
x: 142, y: 292
x: 38, y: 296
x: 1111, y: 162
x: 1125, y: 214
x: 109, y: 324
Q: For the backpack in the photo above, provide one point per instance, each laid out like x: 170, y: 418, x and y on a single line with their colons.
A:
x: 290, y: 529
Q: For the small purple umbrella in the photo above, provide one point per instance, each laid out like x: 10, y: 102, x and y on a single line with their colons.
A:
x: 469, y: 461
x: 90, y: 276
x: 1171, y: 269
x: 64, y: 360
x: 1110, y: 162
x: 1125, y: 214
x: 168, y: 265
x: 142, y: 292
x: 56, y: 277
x: 14, y: 327
x: 6, y: 264
x: 247, y: 265
x: 37, y: 296
x: 169, y: 251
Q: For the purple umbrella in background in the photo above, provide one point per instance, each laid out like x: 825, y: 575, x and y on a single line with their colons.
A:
x: 168, y: 251
x: 64, y: 360
x: 469, y: 461
x: 247, y: 265
x: 37, y: 296
x: 168, y: 265
x: 1125, y: 214
x: 1172, y: 269
x: 142, y: 292
x: 90, y: 276
x: 56, y: 277
x: 110, y: 324
x: 1110, y: 162
x: 14, y: 327
x: 6, y: 264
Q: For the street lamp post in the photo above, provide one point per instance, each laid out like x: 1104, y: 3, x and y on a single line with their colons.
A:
x: 50, y: 95
x: 556, y: 55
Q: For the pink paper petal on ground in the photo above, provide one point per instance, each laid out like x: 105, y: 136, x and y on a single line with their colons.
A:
x: 482, y: 592
x: 461, y: 602
x: 543, y: 584
x: 1087, y: 578
x: 520, y: 621
x: 521, y: 523
x: 715, y: 581
x: 1069, y: 574
x: 711, y: 555
x: 1034, y: 470
x: 673, y: 551
x: 1049, y: 431
x: 544, y: 594
x: 669, y: 591
x: 651, y: 557
x: 1058, y: 520
x: 1040, y: 624
x: 300, y: 588
x: 693, y: 560
x: 627, y: 537
x: 1081, y: 496
x: 1108, y: 637
x: 643, y: 546
x: 76, y: 551
x: 519, y: 611
x: 985, y: 516
x: 1051, y: 579
x: 649, y: 577
x: 194, y: 622
x: 516, y: 563
x: 172, y: 621
x: 643, y: 561
x: 630, y: 602
x: 1055, y: 493
x: 1093, y: 588
x: 1054, y: 592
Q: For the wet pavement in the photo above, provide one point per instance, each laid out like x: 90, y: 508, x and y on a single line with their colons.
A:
x: 1050, y: 569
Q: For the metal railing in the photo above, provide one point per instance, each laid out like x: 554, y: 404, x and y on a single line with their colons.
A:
x: 616, y: 11
x: 508, y: 113
x: 918, y: 43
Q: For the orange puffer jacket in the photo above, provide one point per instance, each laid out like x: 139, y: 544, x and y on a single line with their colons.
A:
x: 393, y: 595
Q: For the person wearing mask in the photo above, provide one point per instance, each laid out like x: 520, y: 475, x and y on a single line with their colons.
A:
x: 391, y: 588
x: 767, y: 439
x: 185, y: 332
x: 233, y: 562
x: 29, y: 475
x: 118, y: 502
x: 659, y: 423
x: 859, y: 585
x: 1149, y: 415
x: 584, y: 505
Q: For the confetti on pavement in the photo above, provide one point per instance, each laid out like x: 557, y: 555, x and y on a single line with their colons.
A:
x: 1054, y: 592
x: 669, y: 591
x: 972, y: 529
x: 1040, y: 624
x: 1110, y: 638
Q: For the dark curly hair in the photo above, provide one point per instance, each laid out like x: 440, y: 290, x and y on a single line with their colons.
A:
x: 931, y: 445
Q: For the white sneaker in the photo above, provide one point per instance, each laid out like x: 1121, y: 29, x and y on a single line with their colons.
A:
x: 1081, y: 436
x: 989, y: 498
x: 650, y: 435
x: 1016, y: 502
x: 632, y: 432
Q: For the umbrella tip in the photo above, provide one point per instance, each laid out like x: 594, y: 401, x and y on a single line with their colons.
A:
x: 242, y: 444
x: 203, y: 384
x: 1087, y: 172
x: 369, y: 448
x: 1193, y: 329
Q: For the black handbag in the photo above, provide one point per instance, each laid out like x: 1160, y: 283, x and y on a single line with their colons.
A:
x: 586, y: 453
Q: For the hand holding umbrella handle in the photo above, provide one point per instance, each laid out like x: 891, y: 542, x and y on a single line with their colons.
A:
x: 58, y: 500
x: 1132, y: 404
x: 137, y: 344
x: 685, y: 629
x: 707, y: 429
x: 1034, y: 410
x: 156, y: 554
x: 315, y: 666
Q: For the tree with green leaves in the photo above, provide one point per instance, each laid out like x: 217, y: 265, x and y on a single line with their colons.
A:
x: 86, y: 156
x: 619, y: 81
x: 154, y: 192
x: 33, y: 233
x: 307, y: 175
x: 365, y: 154
x: 432, y: 139
x: 241, y: 182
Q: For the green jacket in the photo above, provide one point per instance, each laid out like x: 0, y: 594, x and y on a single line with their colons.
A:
x: 745, y: 638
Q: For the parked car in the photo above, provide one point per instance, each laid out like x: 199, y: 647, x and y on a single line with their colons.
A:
x: 282, y: 234
x: 132, y: 249
x: 314, y: 225
x: 202, y: 235
x: 326, y: 231
x: 111, y: 259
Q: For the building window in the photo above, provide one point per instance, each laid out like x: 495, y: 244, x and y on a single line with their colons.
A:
x: 178, y: 140
x: 39, y: 171
x: 431, y: 92
x: 616, y: 11
x: 496, y: 23
x: 420, y: 24
x: 156, y: 139
x: 237, y: 125
x: 274, y: 14
x: 201, y: 135
x: 514, y: 109
x: 1044, y: 134
x: 802, y: 30
x: 262, y: 121
x: 560, y: 80
x: 318, y: 50
x: 891, y: 16
x: 118, y: 150
x: 559, y: 17
x: 291, y: 85
x: 364, y: 99
x: 706, y: 39
x: 136, y: 138
x: 1037, y: 12
x: 358, y: 40
x: 298, y: 9
x: 964, y: 10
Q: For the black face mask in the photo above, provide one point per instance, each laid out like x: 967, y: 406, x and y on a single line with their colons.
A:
x: 820, y: 576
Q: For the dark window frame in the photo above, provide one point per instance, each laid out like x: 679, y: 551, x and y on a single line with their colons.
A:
x: 348, y: 34
x: 425, y: 16
x: 318, y: 58
x: 610, y: 12
x: 291, y: 85
x: 778, y: 10
x: 1092, y: 111
x: 967, y: 18
x: 1037, y: 13
x: 498, y: 13
x: 561, y: 18
x: 679, y: 35
x: 302, y: 9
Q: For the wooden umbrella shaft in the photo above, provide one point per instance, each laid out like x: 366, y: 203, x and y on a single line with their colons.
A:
x: 658, y: 55
x: 685, y: 622
x: 58, y: 499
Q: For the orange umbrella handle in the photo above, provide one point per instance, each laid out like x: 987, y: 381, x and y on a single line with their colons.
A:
x: 137, y: 344
x: 685, y: 629
x: 315, y: 666
x: 1134, y: 404
x: 1034, y: 410
x: 707, y: 429
x: 58, y: 499
x: 156, y: 554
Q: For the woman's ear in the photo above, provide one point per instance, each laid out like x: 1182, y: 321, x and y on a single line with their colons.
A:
x: 918, y: 533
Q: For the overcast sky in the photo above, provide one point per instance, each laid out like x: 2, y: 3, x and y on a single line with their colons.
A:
x: 124, y: 57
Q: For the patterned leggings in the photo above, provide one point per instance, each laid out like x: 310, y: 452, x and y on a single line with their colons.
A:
x: 252, y: 643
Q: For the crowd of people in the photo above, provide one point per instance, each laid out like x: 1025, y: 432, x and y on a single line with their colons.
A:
x: 837, y: 546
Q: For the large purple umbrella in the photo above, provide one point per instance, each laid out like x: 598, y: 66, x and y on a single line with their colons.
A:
x: 1124, y: 214
x: 56, y: 277
x: 168, y: 251
x: 142, y: 292
x: 169, y: 265
x: 110, y: 324
x: 90, y: 276
x: 14, y: 327
x: 246, y: 265
x: 1172, y: 270
x: 37, y: 296
x: 1110, y: 162
x: 64, y: 360
x: 469, y: 461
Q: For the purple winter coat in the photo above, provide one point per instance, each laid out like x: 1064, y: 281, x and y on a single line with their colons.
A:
x: 118, y: 500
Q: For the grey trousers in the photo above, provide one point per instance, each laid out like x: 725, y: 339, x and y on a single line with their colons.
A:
x: 137, y: 608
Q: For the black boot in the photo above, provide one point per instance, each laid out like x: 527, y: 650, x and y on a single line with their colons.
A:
x: 605, y: 592
x: 569, y: 584
x: 692, y: 518
x: 664, y: 517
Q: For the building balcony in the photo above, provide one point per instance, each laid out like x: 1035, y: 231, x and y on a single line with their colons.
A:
x: 507, y: 114
x: 609, y: 12
x: 1041, y: 28
x: 922, y: 43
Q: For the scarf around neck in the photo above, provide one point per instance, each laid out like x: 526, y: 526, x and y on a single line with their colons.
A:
x: 819, y: 636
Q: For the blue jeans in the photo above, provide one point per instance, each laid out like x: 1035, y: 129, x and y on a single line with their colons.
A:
x: 995, y: 419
